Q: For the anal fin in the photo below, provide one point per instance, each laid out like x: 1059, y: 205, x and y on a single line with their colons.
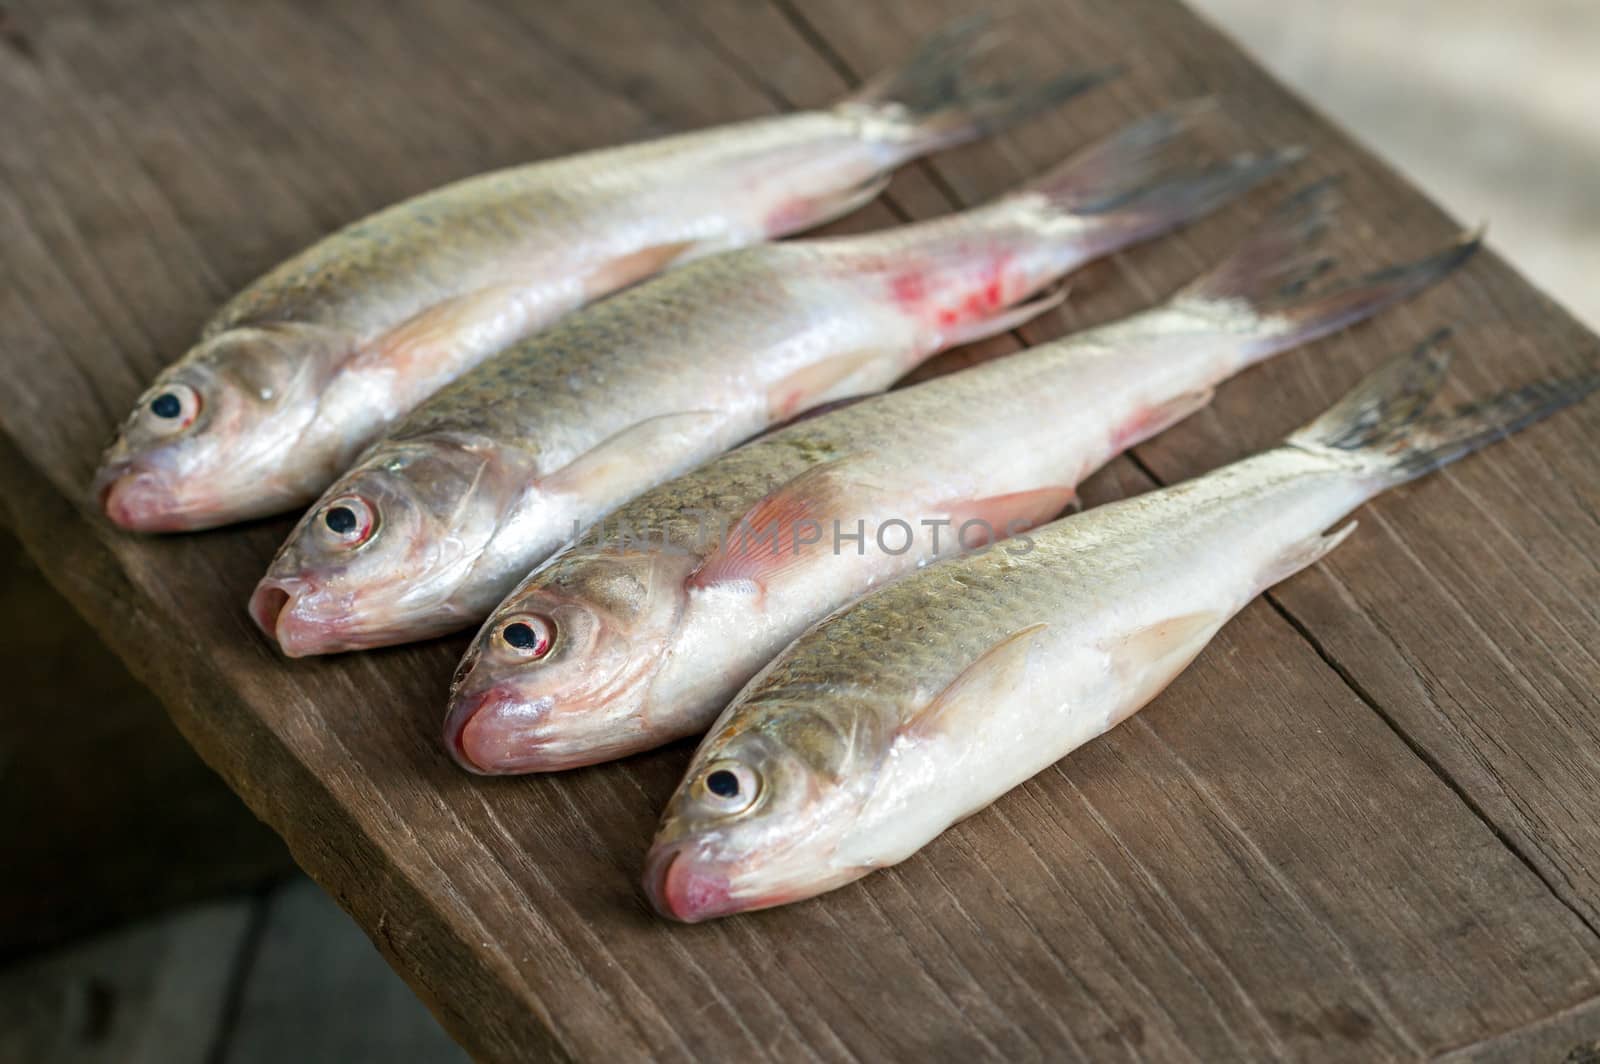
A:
x: 820, y: 382
x: 1303, y: 554
x: 1154, y: 420
x: 806, y: 212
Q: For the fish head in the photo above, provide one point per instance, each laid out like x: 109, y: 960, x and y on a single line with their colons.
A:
x: 759, y: 818
x: 559, y: 675
x: 385, y: 554
x: 207, y: 443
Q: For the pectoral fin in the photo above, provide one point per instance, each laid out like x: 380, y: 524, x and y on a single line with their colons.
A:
x: 639, y: 457
x: 965, y: 706
x: 775, y: 534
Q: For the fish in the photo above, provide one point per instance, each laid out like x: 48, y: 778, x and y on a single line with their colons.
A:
x: 924, y: 702
x: 645, y: 628
x: 302, y: 370
x: 435, y: 524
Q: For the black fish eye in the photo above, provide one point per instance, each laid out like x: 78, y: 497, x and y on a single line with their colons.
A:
x: 521, y: 636
x: 350, y: 520
x: 531, y: 635
x: 723, y: 784
x: 166, y: 405
x: 340, y: 519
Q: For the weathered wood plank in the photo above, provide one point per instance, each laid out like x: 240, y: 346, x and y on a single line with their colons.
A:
x: 1565, y: 1037
x: 1259, y: 866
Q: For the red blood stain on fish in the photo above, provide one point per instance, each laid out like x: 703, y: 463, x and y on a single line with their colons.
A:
x: 951, y: 297
x: 909, y: 289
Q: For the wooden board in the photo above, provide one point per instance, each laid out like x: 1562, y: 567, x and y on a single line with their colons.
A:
x: 1360, y: 827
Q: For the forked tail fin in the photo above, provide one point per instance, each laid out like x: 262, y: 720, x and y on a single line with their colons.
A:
x: 1264, y: 288
x: 938, y: 100
x: 1148, y: 178
x: 1383, y: 426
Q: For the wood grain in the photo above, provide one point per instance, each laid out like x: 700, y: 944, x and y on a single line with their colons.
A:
x: 1357, y: 829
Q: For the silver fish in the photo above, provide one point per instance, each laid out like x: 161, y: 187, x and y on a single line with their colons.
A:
x: 924, y: 702
x: 643, y: 630
x: 435, y: 524
x: 311, y: 363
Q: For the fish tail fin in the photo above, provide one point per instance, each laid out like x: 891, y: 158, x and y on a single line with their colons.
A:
x: 1383, y: 427
x: 1145, y: 180
x: 1270, y: 277
x: 938, y: 100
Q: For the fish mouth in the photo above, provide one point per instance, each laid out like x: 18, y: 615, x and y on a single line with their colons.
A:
x: 495, y: 733
x: 279, y: 609
x: 689, y: 888
x: 137, y: 500
x: 679, y: 889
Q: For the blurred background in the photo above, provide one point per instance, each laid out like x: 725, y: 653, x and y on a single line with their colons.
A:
x: 1492, y: 107
x: 1488, y: 105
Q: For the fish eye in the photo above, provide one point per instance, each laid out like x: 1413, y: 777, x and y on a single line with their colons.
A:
x: 348, y: 521
x: 171, y: 410
x: 530, y: 635
x: 728, y: 786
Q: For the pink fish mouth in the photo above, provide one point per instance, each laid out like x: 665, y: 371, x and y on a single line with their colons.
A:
x: 494, y: 733
x: 136, y: 500
x: 680, y: 890
x: 277, y: 607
